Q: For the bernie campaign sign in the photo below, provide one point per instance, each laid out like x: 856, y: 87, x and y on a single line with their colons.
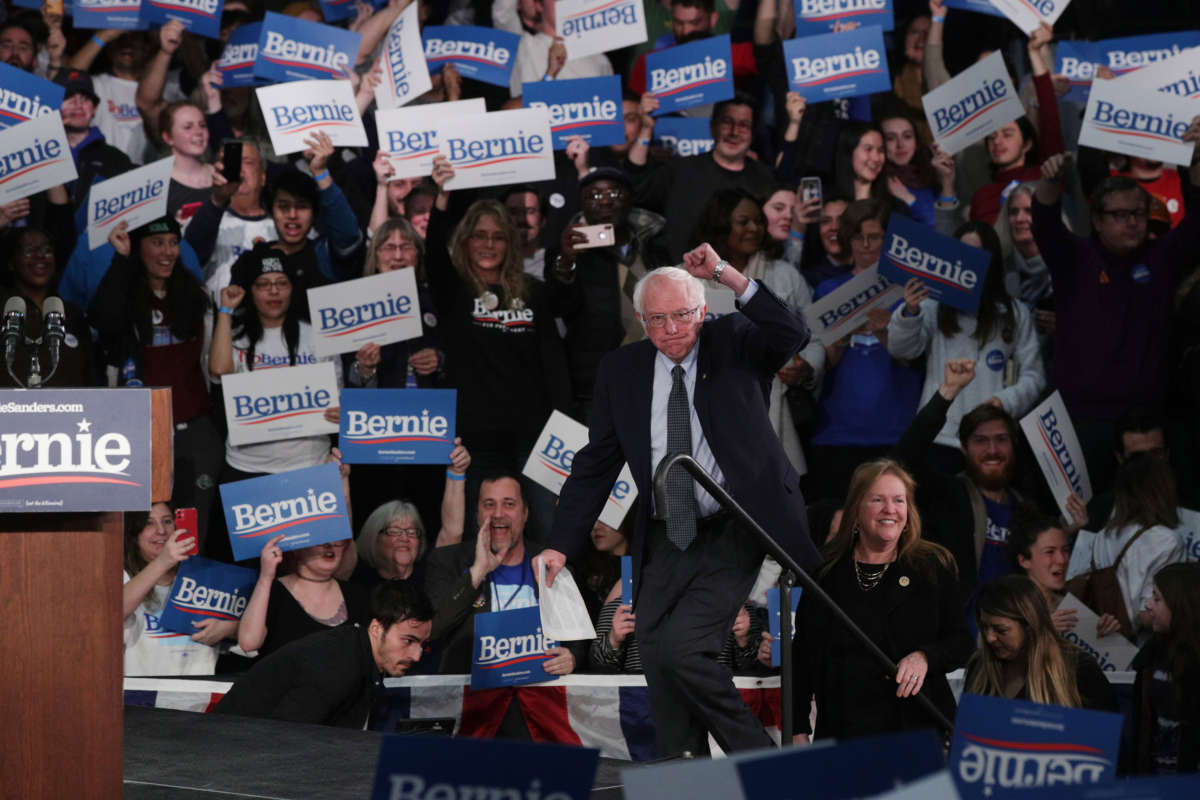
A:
x: 134, y: 197
x: 267, y: 405
x: 378, y: 309
x: 24, y: 96
x: 305, y: 505
x: 684, y: 136
x: 291, y: 49
x: 295, y: 111
x: 433, y: 767
x: 207, y: 589
x: 815, y: 17
x: 236, y: 64
x: 588, y: 27
x: 74, y: 449
x: 201, y: 17
x: 405, y: 74
x: 1178, y: 75
x: 775, y: 623
x: 1051, y: 436
x: 978, y: 6
x: 410, y: 138
x: 975, y: 102
x: 952, y: 270
x: 496, y: 149
x: 34, y: 155
x: 1122, y: 117
x: 125, y: 15
x: 692, y: 74
x: 509, y: 649
x: 1003, y: 747
x: 1029, y: 15
x: 397, y: 426
x: 835, y: 65
x: 1077, y: 60
x: 485, y: 54
x: 586, y: 107
x: 845, y: 309
x: 338, y: 10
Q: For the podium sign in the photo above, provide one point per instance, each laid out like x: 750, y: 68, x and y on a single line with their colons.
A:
x: 74, y: 450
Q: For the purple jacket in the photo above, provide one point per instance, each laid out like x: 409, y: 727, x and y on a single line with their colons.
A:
x: 1111, y: 332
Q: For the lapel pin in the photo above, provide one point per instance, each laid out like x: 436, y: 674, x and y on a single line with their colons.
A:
x: 903, y: 580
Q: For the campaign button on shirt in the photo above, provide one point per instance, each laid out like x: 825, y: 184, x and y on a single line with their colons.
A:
x: 1140, y: 274
x: 995, y: 360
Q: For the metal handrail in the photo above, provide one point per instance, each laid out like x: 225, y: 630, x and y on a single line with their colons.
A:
x: 702, y: 477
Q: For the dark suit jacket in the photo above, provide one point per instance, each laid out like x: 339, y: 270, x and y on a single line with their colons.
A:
x: 738, y: 356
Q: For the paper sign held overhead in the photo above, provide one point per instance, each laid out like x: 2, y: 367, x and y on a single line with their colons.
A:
x: 134, y: 197
x: 306, y: 506
x: 405, y: 74
x: 1077, y: 60
x: 377, y: 309
x: 834, y: 65
x: 1178, y: 75
x: 291, y: 49
x: 236, y: 64
x: 397, y: 426
x: 297, y: 110
x: 1056, y: 449
x: 25, y: 96
x: 972, y: 104
x: 34, y: 155
x: 1129, y: 119
x: 692, y: 74
x: 844, y: 310
x: 410, y: 136
x: 549, y: 464
x: 978, y: 6
x: 598, y: 26
x: 267, y: 405
x: 586, y: 107
x: 125, y: 15
x: 953, y: 271
x: 814, y: 17
x: 484, y: 54
x: 497, y: 149
x: 1028, y: 15
x: 683, y: 136
x: 201, y: 17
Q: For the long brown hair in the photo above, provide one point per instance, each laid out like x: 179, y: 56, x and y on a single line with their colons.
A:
x: 1144, y: 494
x: 1179, y: 585
x: 922, y: 555
x: 1049, y: 664
x: 512, y: 272
x: 134, y: 562
x: 996, y: 313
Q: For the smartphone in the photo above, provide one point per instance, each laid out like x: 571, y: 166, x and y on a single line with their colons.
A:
x: 810, y: 189
x: 598, y: 236
x: 231, y: 161
x: 186, y: 519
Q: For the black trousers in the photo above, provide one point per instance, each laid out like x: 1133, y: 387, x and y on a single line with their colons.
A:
x: 685, y: 607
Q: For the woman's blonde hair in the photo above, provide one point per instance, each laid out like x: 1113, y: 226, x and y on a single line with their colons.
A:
x: 1049, y: 661
x: 512, y: 271
x: 923, y: 555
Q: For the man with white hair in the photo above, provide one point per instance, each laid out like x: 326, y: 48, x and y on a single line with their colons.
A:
x: 700, y: 389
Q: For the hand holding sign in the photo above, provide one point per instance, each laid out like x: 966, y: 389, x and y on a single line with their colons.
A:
x: 915, y: 293
x: 118, y: 237
x: 554, y: 562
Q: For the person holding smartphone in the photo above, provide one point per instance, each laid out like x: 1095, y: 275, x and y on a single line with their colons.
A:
x: 154, y: 549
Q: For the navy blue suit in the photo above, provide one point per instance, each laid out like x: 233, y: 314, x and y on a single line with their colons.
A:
x: 687, y: 601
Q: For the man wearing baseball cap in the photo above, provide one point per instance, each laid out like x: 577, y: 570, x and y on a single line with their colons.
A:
x: 95, y: 159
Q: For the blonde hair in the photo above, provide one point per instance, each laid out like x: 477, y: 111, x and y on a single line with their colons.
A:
x: 512, y: 271
x: 922, y: 555
x: 1049, y: 664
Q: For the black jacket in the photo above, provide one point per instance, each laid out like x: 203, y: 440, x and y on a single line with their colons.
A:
x: 328, y: 678
x: 1150, y: 657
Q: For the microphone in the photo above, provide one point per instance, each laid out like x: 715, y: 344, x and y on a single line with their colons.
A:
x: 14, y: 322
x: 55, y: 315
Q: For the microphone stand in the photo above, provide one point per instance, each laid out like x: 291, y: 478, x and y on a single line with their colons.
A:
x: 701, y: 476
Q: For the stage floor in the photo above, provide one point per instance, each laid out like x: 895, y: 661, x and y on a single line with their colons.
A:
x: 187, y: 756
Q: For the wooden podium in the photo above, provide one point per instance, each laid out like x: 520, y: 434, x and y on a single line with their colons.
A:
x: 62, y: 648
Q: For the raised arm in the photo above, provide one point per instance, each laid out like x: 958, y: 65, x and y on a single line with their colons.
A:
x: 150, y: 88
x: 252, y: 631
x: 454, y: 496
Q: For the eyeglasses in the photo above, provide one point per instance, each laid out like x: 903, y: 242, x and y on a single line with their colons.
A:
x: 678, y: 317
x: 1124, y: 215
x: 33, y: 252
x: 867, y: 238
x: 735, y: 124
x: 401, y: 533
x: 266, y: 286
x: 605, y: 194
x: 483, y: 237
x: 403, y: 247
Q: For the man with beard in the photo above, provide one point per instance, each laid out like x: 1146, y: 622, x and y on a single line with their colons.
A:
x: 607, y: 275
x: 692, y: 20
x: 95, y: 159
x: 679, y: 188
x: 117, y: 114
x: 18, y: 43
x: 969, y: 513
x: 525, y: 207
x: 335, y: 677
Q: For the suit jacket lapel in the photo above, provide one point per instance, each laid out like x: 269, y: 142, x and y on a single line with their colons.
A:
x: 641, y: 389
x: 703, y: 396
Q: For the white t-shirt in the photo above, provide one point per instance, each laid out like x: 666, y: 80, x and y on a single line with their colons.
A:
x: 235, y: 236
x: 288, y: 454
x: 150, y: 650
x: 1153, y: 550
x: 118, y: 118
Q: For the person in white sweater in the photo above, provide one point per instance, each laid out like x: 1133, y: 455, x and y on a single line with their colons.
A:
x: 1000, y: 338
